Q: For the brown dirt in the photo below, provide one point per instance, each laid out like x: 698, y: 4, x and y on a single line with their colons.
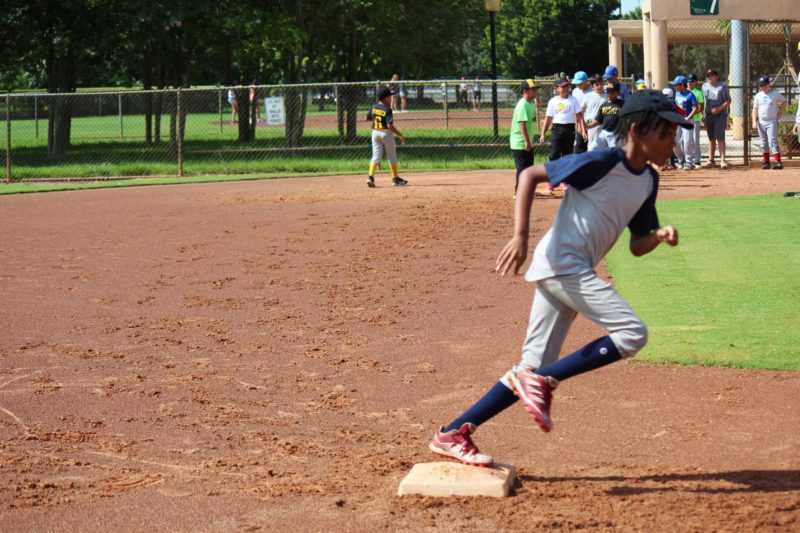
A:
x: 274, y: 354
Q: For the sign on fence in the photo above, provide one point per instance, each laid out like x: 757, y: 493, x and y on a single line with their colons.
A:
x: 274, y: 105
x: 704, y: 7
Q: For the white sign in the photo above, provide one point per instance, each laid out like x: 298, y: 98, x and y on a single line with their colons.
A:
x: 275, y: 115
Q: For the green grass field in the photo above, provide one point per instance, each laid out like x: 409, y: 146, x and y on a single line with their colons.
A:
x: 729, y: 294
x: 101, y: 147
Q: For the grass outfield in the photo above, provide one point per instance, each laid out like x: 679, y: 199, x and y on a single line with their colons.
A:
x: 99, y: 150
x: 729, y: 294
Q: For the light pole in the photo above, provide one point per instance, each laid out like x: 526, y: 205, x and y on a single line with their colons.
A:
x: 492, y: 7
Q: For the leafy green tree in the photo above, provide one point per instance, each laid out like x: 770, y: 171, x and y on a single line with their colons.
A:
x: 541, y: 37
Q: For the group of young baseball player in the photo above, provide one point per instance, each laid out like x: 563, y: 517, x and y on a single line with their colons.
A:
x: 583, y: 117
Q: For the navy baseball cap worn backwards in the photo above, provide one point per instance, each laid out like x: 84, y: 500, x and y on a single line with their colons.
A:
x: 656, y: 102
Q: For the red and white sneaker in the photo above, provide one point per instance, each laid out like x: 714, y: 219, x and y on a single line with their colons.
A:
x: 536, y: 393
x: 458, y: 445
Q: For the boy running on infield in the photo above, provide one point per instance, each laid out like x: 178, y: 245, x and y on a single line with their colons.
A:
x: 609, y: 190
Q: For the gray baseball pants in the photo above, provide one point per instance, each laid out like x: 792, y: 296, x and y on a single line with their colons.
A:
x: 684, y: 145
x: 768, y: 133
x: 696, y: 142
x: 559, y: 300
x: 383, y: 143
x: 604, y: 139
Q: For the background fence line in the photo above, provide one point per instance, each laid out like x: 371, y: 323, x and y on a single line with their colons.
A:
x: 105, y: 134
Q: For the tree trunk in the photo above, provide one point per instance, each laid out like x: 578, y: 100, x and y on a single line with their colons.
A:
x: 60, y: 79
x: 296, y: 105
x: 243, y: 101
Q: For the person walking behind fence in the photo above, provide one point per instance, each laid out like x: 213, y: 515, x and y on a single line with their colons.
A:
x: 398, y: 94
x: 594, y: 101
x: 234, y: 104
x: 476, y: 94
x: 685, y: 100
x: 524, y: 123
x: 383, y: 134
x: 565, y: 115
x: 717, y: 101
x: 768, y: 107
x: 255, y: 111
x: 609, y: 191
x: 607, y: 118
x: 691, y: 84
x: 463, y: 92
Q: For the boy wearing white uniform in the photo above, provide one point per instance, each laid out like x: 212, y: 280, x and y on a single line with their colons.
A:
x: 582, y: 89
x: 594, y: 101
x: 610, y: 190
x: 768, y: 106
x: 687, y: 102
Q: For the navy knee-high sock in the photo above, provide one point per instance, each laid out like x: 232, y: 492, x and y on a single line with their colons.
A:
x: 599, y: 352
x: 494, y: 402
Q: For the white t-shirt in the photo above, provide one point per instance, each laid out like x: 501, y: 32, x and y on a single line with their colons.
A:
x: 767, y: 104
x: 580, y: 95
x: 604, y: 197
x: 562, y: 110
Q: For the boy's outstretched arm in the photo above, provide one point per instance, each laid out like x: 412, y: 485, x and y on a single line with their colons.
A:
x: 515, y: 252
x: 644, y: 244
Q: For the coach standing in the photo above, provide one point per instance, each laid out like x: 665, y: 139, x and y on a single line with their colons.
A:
x: 523, y: 125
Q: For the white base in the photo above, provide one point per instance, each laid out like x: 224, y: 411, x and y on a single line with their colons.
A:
x: 457, y: 479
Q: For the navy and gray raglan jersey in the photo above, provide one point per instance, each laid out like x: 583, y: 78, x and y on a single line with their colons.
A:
x: 605, y: 196
x: 381, y: 116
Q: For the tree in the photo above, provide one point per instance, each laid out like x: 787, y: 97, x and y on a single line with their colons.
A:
x: 544, y: 36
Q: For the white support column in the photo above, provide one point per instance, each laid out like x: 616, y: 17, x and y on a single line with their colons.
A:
x: 659, y: 53
x: 615, y: 51
x: 647, y: 47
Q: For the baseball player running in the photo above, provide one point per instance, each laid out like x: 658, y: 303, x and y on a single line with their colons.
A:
x: 609, y: 190
x: 768, y: 106
x: 383, y: 132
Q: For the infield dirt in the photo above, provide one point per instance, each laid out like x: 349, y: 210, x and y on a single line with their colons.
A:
x: 268, y: 355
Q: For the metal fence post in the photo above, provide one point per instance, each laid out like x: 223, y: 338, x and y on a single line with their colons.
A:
x: 119, y: 107
x: 8, y: 138
x: 444, y: 103
x: 179, y: 133
x: 36, y: 115
x: 220, y: 111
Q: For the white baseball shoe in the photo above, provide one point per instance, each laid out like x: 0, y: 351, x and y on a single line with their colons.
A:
x: 536, y: 393
x: 458, y: 445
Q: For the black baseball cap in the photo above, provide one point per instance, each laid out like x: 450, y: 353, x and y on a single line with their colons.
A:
x: 612, y: 86
x: 691, y: 78
x: 764, y: 80
x: 562, y: 82
x: 649, y: 100
x: 527, y: 84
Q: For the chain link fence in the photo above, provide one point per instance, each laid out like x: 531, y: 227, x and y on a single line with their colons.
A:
x: 322, y: 128
x: 270, y: 129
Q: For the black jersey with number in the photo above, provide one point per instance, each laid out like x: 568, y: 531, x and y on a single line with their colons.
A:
x: 608, y: 114
x: 381, y: 116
